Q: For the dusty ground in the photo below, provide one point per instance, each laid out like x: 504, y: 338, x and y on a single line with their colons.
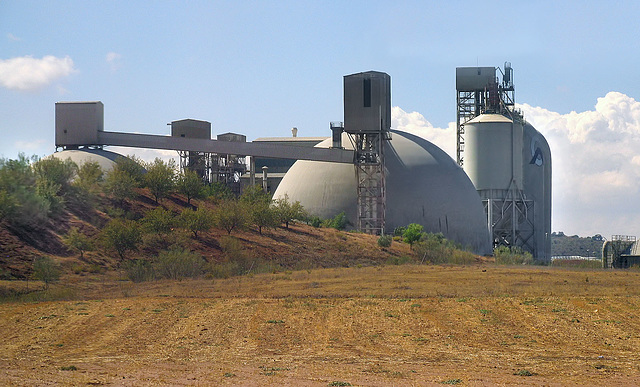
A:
x: 371, y: 326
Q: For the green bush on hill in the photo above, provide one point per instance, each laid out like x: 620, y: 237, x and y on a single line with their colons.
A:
x: 512, y: 256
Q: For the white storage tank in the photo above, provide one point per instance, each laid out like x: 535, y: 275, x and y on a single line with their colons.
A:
x: 509, y: 163
x: 490, y: 160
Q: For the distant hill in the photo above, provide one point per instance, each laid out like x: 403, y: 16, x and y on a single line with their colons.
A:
x: 562, y: 244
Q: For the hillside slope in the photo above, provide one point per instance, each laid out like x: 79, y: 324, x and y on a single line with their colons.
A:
x: 299, y: 246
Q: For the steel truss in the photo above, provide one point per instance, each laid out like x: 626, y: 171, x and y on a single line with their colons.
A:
x: 511, y: 220
x: 199, y: 162
x: 370, y: 175
x: 468, y: 108
x: 213, y: 167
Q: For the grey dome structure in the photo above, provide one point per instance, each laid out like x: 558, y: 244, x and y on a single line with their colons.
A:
x: 105, y: 159
x: 424, y: 186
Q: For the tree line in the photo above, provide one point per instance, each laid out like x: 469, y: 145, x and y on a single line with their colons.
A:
x: 34, y: 192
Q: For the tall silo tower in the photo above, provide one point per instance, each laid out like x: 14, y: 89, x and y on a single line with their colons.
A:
x: 507, y: 159
x: 367, y: 119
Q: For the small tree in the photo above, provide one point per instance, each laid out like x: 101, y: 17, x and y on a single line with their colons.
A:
x: 78, y: 241
x: 8, y: 205
x: 230, y: 215
x: 132, y: 166
x: 263, y: 215
x: 121, y: 235
x: 160, y: 178
x: 412, y: 233
x: 190, y: 185
x: 159, y: 221
x: 53, y: 180
x: 90, y: 175
x: 287, y: 211
x: 22, y: 207
x: 46, y: 270
x: 197, y: 221
x: 55, y: 172
x: 218, y: 191
x: 119, y: 185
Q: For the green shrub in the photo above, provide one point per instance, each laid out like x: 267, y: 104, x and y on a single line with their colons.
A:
x: 461, y: 257
x: 89, y: 176
x: 139, y: 270
x: 399, y: 260
x: 436, y: 249
x: 119, y: 185
x: 218, y: 191
x: 385, y: 240
x: 315, y: 221
x: 178, y: 264
x: 53, y: 172
x: 8, y: 205
x: 399, y: 231
x: 20, y: 204
x: 512, y: 256
x: 339, y: 222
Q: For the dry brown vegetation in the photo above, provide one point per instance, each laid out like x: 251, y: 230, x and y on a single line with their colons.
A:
x: 374, y: 326
x: 327, y: 312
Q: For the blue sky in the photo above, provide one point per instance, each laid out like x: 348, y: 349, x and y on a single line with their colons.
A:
x: 260, y: 68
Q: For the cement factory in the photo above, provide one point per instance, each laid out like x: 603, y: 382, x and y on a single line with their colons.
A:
x: 497, y: 192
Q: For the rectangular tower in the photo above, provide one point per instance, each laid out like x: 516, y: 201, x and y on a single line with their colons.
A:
x: 367, y: 119
x: 78, y: 123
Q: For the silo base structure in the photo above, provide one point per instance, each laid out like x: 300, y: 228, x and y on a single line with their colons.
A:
x: 423, y: 185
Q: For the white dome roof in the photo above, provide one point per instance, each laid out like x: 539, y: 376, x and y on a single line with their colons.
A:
x: 105, y: 159
x: 424, y: 186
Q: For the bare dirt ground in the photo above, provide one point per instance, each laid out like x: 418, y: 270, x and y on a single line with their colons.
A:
x: 371, y: 326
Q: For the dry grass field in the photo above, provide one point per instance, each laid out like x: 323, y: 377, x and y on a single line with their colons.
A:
x: 371, y: 326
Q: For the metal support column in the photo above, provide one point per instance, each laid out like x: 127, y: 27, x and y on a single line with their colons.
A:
x: 369, y: 164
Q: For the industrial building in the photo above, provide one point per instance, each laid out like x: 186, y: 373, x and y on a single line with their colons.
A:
x: 424, y: 185
x: 507, y: 159
x: 621, y: 252
x: 498, y: 192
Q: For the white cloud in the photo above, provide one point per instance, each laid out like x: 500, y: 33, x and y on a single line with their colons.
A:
x: 596, y: 174
x: 13, y: 38
x: 415, y: 123
x: 30, y: 146
x: 28, y: 73
x: 114, y: 60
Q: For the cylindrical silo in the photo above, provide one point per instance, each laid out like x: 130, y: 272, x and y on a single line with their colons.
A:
x: 509, y: 163
x: 491, y: 159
